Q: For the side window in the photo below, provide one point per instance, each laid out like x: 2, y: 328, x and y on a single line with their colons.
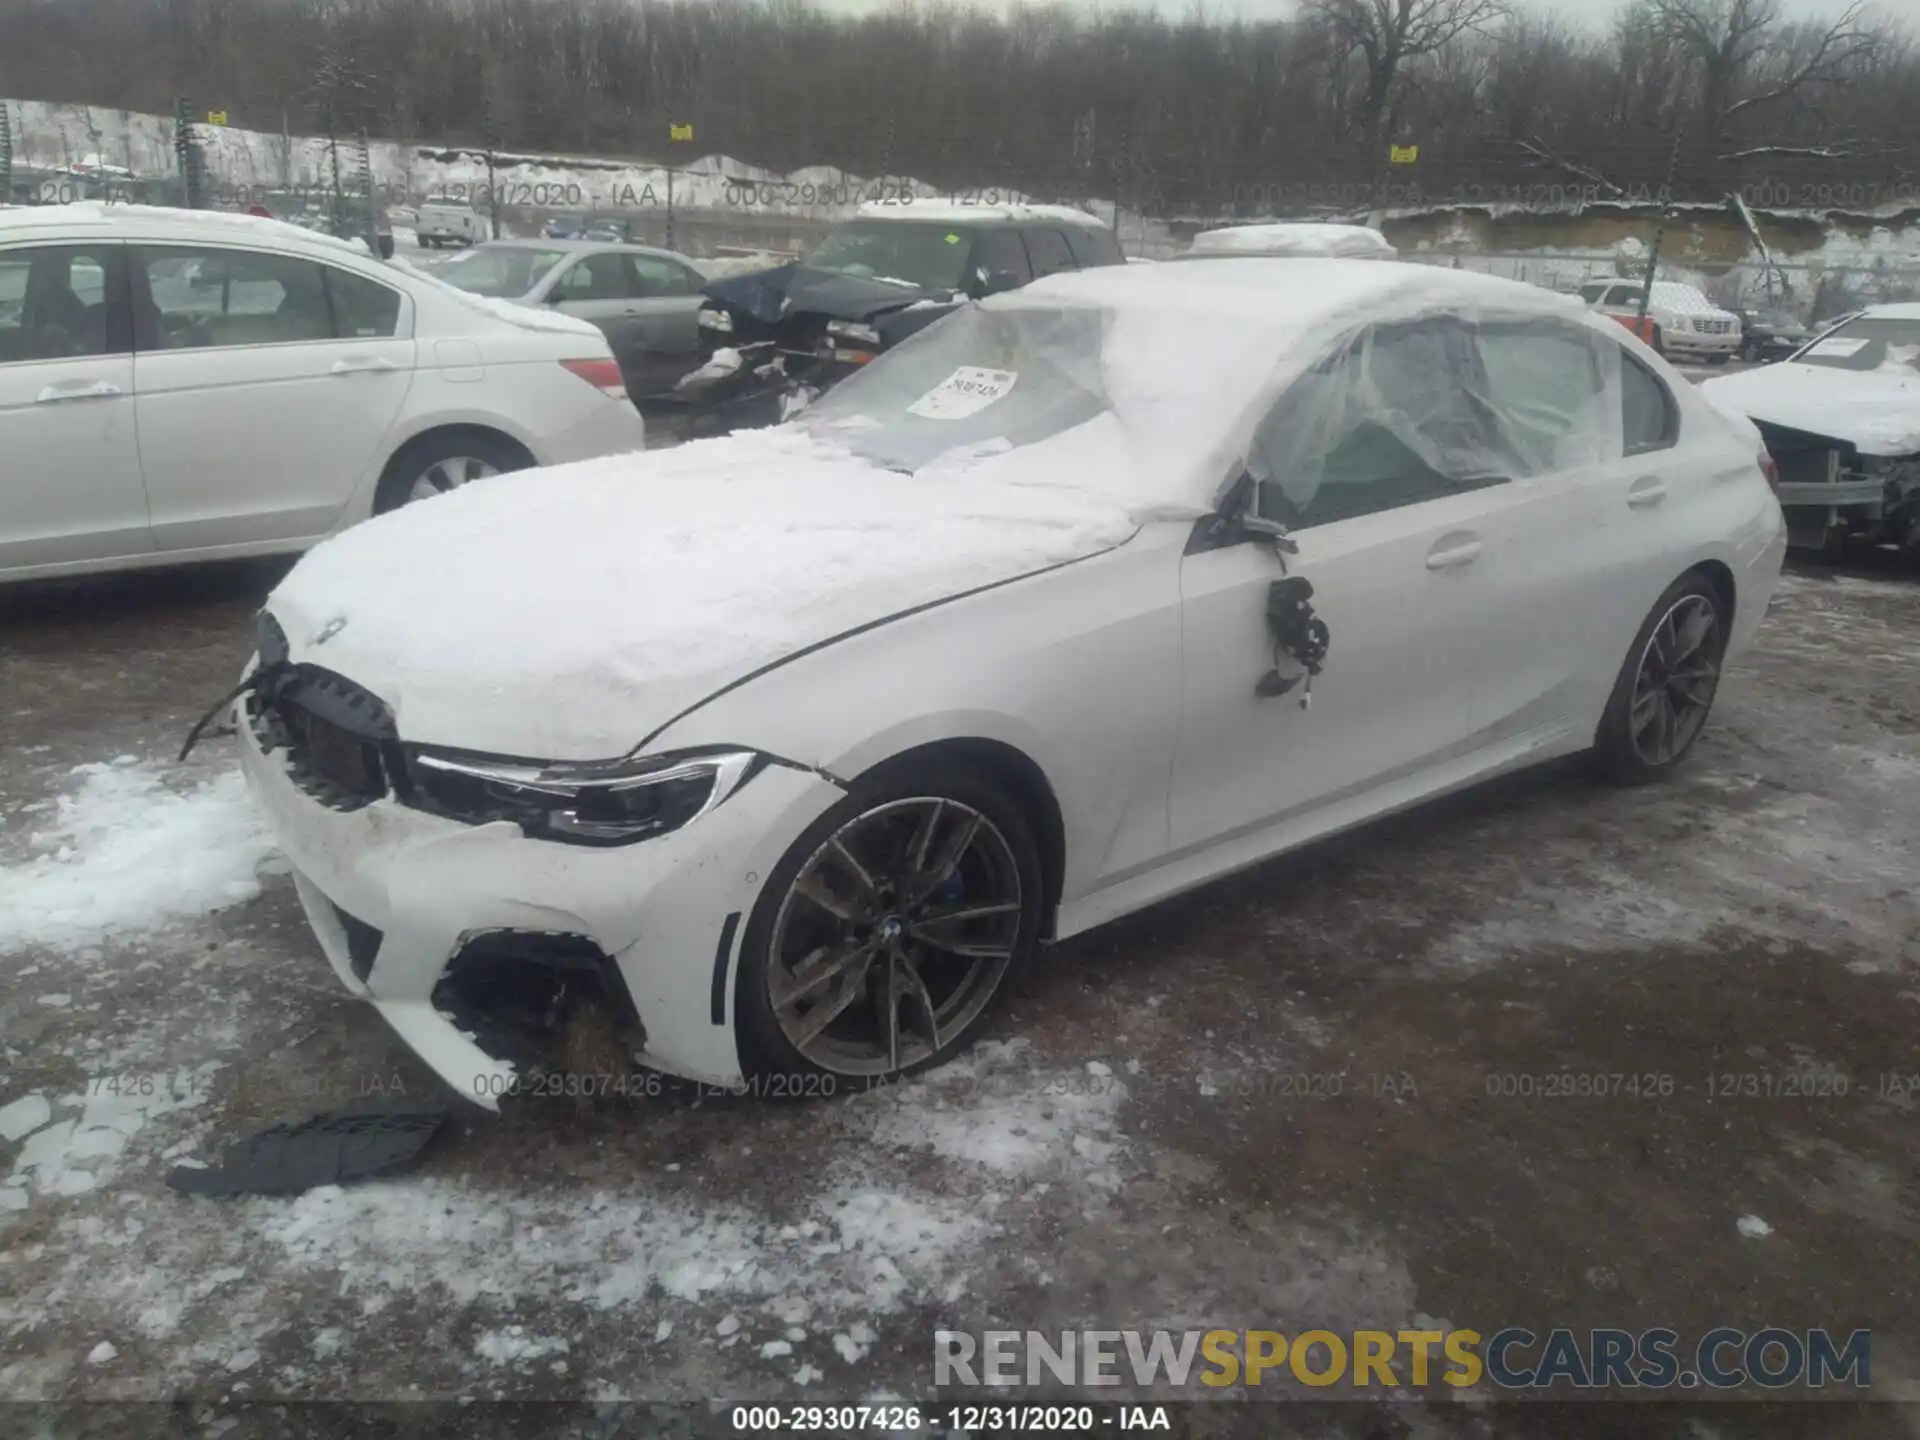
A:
x: 1049, y: 251
x: 62, y: 302
x: 363, y: 309
x: 1592, y: 293
x: 1544, y: 383
x: 999, y: 252
x: 1624, y: 295
x: 654, y: 279
x: 1652, y: 419
x: 196, y: 297
x: 1092, y: 246
x: 1397, y: 417
x: 597, y: 277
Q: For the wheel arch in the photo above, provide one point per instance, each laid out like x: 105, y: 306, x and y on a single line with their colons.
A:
x: 1718, y: 574
x: 1023, y: 779
x: 464, y: 430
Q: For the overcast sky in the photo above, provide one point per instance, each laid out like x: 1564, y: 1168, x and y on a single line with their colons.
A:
x: 1594, y: 11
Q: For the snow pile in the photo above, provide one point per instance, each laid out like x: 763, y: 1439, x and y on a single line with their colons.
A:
x: 84, y: 1150
x: 124, y: 853
x: 681, y: 569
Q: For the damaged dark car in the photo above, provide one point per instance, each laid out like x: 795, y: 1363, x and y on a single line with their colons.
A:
x: 774, y: 340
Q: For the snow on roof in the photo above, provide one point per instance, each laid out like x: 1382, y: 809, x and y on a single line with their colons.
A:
x: 1295, y: 295
x: 1294, y: 238
x: 952, y: 213
x: 1192, y: 351
x: 226, y: 224
x: 1907, y: 311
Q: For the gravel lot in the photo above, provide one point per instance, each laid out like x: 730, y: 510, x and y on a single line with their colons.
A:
x: 1287, y: 1100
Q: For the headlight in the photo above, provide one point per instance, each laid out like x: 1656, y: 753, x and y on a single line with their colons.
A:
x: 605, y: 802
x: 849, y: 330
x: 716, y: 320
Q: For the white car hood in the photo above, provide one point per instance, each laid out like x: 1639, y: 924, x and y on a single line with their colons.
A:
x: 1877, y: 411
x: 568, y: 613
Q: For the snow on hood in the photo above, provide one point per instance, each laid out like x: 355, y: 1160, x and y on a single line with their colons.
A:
x: 567, y: 613
x: 1877, y: 411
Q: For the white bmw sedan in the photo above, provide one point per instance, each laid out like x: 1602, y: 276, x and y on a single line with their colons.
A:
x: 182, y: 385
x: 772, y: 756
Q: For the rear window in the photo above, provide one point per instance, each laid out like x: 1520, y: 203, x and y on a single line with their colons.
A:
x: 504, y: 272
x: 1049, y: 251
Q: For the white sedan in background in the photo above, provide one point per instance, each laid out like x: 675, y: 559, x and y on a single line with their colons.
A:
x: 821, y: 731
x: 182, y: 385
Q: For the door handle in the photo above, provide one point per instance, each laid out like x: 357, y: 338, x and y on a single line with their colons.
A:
x: 77, y: 390
x: 362, y: 365
x: 1452, y: 552
x: 1647, y: 490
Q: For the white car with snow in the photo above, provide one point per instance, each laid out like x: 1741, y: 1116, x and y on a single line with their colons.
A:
x: 1291, y: 239
x: 1841, y: 418
x: 182, y: 385
x: 1687, y: 324
x: 815, y: 733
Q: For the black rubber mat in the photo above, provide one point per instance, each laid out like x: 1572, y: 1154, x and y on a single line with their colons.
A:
x: 330, y: 1149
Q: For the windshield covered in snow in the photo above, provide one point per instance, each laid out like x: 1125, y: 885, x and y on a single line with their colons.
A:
x: 978, y: 381
x: 1868, y: 343
x: 502, y: 272
x: 932, y: 257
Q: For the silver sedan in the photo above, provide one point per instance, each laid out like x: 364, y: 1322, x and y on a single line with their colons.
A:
x: 645, y: 300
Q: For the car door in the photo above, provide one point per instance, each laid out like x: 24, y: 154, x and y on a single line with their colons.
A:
x: 1646, y: 483
x: 70, y: 486
x: 267, y: 384
x: 665, y: 315
x: 1399, y: 487
x: 600, y: 287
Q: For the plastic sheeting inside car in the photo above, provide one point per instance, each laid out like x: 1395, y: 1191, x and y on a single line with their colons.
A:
x: 1407, y: 411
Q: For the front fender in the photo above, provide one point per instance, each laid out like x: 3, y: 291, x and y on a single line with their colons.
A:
x: 1077, y: 668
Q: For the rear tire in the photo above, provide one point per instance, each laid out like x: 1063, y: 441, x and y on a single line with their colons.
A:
x: 444, y: 460
x: 1666, y: 688
x: 918, y: 894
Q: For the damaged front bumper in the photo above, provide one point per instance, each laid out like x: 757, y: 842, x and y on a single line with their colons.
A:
x: 487, y: 951
x: 1829, y: 490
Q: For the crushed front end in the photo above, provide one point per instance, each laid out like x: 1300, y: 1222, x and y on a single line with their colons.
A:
x: 1831, y: 493
x: 517, y: 941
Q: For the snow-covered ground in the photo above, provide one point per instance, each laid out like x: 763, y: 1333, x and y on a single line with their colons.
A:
x: 1266, y: 1104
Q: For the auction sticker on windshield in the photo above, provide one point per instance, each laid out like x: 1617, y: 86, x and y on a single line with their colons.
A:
x: 967, y: 391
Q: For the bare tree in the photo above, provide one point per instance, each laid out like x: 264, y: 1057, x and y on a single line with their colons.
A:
x: 1732, y: 41
x: 1390, y: 33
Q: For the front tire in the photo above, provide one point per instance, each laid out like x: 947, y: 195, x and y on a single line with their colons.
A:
x: 883, y: 938
x: 1666, y: 688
